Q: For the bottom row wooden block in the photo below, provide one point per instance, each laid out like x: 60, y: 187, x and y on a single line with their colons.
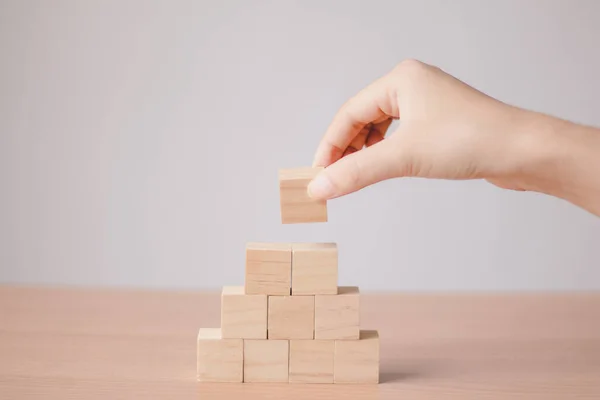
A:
x: 293, y: 361
x: 219, y: 360
x: 266, y: 360
x: 311, y: 361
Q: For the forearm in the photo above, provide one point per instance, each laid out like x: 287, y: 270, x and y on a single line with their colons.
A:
x: 581, y: 180
x: 566, y: 161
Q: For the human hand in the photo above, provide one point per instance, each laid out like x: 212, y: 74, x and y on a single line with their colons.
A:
x: 447, y: 130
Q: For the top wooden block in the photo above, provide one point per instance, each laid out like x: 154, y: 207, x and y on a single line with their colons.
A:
x: 295, y: 203
x: 314, y: 268
x: 268, y: 268
x: 268, y: 251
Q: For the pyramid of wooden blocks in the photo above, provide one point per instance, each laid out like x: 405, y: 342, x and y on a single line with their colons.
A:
x: 290, y: 322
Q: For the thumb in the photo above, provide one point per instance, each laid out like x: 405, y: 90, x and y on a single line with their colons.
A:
x: 356, y: 171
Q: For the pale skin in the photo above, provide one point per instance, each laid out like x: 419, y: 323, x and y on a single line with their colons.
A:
x: 450, y: 130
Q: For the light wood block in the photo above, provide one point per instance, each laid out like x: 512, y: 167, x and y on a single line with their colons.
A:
x: 266, y: 360
x: 338, y: 316
x: 268, y: 268
x: 311, y: 361
x: 243, y: 316
x: 357, y: 361
x: 291, y: 317
x: 295, y: 203
x: 314, y: 268
x: 218, y: 359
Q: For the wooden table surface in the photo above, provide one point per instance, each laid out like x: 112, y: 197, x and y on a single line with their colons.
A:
x: 120, y: 344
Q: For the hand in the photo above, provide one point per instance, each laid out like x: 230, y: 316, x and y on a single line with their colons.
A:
x: 447, y: 130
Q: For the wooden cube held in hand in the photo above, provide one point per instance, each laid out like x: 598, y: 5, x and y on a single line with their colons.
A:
x: 314, y: 268
x: 268, y: 268
x: 266, y: 360
x: 311, y: 361
x: 218, y: 359
x: 291, y: 317
x: 296, y: 206
x: 243, y: 316
x: 338, y: 316
x: 357, y: 361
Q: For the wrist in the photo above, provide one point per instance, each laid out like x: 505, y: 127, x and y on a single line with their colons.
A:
x: 559, y: 158
x: 539, y: 149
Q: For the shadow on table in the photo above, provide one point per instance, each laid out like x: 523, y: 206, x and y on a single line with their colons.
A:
x: 392, y: 375
x: 397, y: 377
x: 280, y: 391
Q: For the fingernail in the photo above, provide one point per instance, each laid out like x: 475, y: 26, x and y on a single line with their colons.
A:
x: 320, y: 187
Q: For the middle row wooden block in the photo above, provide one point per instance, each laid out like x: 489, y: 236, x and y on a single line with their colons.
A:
x: 291, y: 268
x: 291, y: 317
x: 257, y: 316
x: 243, y: 316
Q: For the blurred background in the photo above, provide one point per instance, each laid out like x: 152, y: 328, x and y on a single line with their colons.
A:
x: 140, y: 140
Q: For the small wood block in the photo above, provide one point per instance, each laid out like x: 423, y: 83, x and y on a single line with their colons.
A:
x: 266, y: 360
x: 295, y: 203
x: 311, y: 361
x: 243, y: 316
x: 338, y: 316
x: 314, y: 268
x: 357, y: 361
x: 218, y: 359
x: 268, y: 268
x: 291, y: 317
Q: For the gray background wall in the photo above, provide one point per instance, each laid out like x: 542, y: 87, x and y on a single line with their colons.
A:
x: 140, y: 140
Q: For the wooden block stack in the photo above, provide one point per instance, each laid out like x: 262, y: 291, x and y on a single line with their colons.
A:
x: 290, y: 322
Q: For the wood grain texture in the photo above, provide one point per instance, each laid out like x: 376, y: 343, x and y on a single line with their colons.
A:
x: 338, y: 316
x: 311, y: 361
x: 60, y: 343
x: 218, y: 359
x: 266, y: 360
x: 268, y: 268
x: 243, y: 316
x: 296, y: 206
x: 314, y: 268
x: 357, y: 361
x: 291, y: 317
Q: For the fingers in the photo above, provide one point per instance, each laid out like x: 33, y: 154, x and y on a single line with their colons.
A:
x: 372, y: 104
x: 377, y: 132
x: 373, y: 138
x: 359, y: 141
x: 369, y: 135
x: 356, y: 171
x: 349, y: 151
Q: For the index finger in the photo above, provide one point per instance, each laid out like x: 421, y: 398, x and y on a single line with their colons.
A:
x: 374, y: 103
